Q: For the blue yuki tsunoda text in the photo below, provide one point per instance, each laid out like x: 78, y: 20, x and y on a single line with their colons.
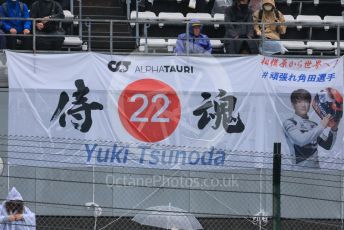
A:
x: 147, y: 155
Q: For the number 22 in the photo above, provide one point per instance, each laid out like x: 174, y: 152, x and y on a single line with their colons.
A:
x: 155, y: 118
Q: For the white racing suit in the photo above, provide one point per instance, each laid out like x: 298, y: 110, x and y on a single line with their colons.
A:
x: 303, y: 137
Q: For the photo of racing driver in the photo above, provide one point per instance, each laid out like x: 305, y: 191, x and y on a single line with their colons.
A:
x: 304, y: 136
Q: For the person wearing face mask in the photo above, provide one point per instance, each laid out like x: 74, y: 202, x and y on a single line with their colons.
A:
x: 48, y: 9
x: 240, y: 12
x: 14, y: 215
x: 270, y: 15
x: 272, y: 31
x: 16, y: 9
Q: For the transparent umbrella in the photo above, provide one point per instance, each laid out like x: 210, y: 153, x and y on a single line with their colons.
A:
x: 168, y: 217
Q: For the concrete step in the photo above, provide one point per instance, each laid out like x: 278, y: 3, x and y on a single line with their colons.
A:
x: 107, y: 3
x: 105, y: 27
x: 104, y: 44
x: 106, y: 36
x: 108, y: 10
x: 101, y: 12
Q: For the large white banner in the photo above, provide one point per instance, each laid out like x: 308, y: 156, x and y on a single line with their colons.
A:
x: 174, y: 112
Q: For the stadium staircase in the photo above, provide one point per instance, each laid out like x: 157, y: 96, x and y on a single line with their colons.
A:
x: 100, y: 32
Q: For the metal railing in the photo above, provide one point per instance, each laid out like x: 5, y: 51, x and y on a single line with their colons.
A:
x: 60, y: 196
x: 110, y: 37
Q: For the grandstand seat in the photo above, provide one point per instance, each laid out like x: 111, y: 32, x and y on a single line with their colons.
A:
x: 289, y: 18
x: 332, y: 20
x: 153, y: 43
x: 204, y: 17
x: 171, y: 43
x: 147, y: 15
x: 218, y: 18
x: 72, y: 42
x: 315, y: 2
x: 292, y: 31
x: 304, y: 19
x: 69, y: 17
x: 68, y: 14
x: 341, y: 45
x: 166, y: 16
x: 294, y: 45
x: 215, y: 44
x: 319, y: 46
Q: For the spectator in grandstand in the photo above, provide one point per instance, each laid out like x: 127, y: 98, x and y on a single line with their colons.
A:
x: 303, y: 135
x: 16, y: 9
x: 48, y: 9
x: 14, y: 215
x: 270, y: 15
x: 198, y: 43
x: 240, y: 12
x: 220, y: 6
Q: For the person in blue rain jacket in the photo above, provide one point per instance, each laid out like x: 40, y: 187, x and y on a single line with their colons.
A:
x: 198, y: 43
x: 16, y: 9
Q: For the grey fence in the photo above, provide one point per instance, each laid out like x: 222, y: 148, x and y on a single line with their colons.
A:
x: 110, y: 197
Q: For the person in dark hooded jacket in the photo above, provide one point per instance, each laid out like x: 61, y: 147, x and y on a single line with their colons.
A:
x: 48, y: 9
x: 16, y: 9
x: 198, y: 43
x: 240, y: 12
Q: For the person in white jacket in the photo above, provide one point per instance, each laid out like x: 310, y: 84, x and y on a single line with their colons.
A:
x: 14, y: 215
x: 303, y: 135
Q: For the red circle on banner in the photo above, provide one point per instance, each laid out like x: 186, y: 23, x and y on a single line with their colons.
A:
x: 149, y: 110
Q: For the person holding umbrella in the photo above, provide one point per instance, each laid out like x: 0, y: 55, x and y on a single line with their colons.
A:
x: 168, y: 217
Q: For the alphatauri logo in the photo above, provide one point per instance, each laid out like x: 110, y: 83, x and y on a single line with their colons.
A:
x: 121, y: 66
